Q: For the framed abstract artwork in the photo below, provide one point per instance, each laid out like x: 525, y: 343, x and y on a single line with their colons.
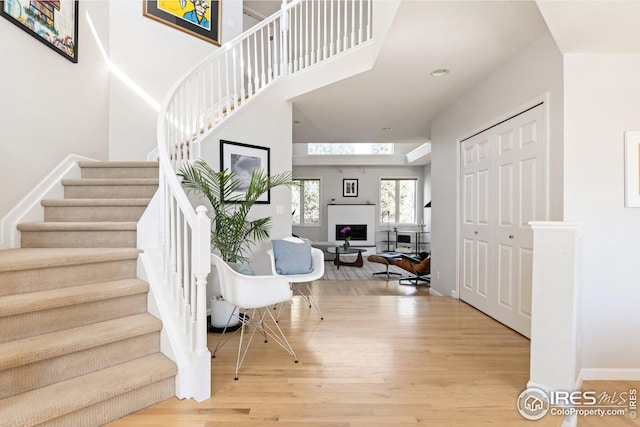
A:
x: 243, y: 159
x: 632, y: 169
x: 349, y: 188
x: 54, y: 23
x: 199, y: 18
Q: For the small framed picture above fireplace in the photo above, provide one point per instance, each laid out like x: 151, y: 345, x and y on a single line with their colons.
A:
x: 349, y: 188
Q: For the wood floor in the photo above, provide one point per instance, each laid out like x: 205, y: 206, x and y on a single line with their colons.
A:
x: 384, y: 355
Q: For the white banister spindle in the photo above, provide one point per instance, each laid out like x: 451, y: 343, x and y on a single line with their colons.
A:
x: 263, y: 70
x: 313, y: 33
x: 269, y: 53
x: 245, y: 69
x: 353, y: 23
x: 325, y: 45
x: 185, y: 260
x: 345, y: 42
x: 178, y: 254
x: 331, y: 36
x: 235, y: 76
x: 370, y: 21
x: 306, y: 34
x: 256, y: 72
x: 338, y: 28
x: 361, y: 23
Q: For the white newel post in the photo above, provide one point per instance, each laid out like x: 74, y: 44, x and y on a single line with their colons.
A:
x: 201, y: 269
x: 555, y: 312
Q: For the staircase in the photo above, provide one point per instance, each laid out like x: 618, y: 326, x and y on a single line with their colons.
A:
x: 78, y: 347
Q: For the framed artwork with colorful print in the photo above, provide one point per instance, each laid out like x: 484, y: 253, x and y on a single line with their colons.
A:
x: 52, y: 22
x: 200, y: 18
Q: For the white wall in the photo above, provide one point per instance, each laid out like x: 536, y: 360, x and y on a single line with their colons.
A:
x: 49, y: 106
x: 154, y: 56
x: 534, y: 71
x: 602, y: 101
x: 368, y: 189
x: 266, y: 121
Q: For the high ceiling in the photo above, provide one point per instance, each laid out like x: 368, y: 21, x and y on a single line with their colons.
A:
x: 471, y: 38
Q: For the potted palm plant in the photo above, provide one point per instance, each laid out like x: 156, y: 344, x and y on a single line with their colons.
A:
x: 233, y: 234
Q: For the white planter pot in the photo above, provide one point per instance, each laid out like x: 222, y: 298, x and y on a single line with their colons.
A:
x: 220, y: 313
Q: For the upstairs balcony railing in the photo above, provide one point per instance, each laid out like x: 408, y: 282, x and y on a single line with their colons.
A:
x: 302, y: 34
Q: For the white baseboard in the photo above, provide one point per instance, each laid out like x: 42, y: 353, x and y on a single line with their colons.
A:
x: 454, y: 294
x: 613, y: 374
x: 29, y: 208
x: 435, y: 293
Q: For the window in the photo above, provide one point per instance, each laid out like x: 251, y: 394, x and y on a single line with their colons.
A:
x: 306, y: 202
x: 350, y: 148
x: 398, y: 201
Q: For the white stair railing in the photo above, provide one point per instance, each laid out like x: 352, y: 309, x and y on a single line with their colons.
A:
x: 302, y: 34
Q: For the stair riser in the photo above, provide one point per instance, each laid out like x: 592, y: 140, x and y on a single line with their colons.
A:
x: 60, y: 318
x: 93, y: 213
x: 78, y: 239
x: 90, y: 173
x: 19, y: 281
x: 35, y: 375
x: 109, y: 191
x: 117, y: 407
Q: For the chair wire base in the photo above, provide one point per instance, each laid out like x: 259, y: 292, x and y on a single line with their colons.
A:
x: 306, y: 296
x: 257, y: 321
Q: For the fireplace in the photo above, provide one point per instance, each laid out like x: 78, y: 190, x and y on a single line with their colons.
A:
x: 360, y: 216
x: 357, y: 232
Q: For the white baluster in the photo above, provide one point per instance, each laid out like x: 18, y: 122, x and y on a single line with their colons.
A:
x: 245, y: 62
x: 256, y: 73
x: 353, y: 23
x: 228, y: 100
x: 269, y: 57
x: 220, y: 100
x: 338, y: 28
x: 263, y: 76
x: 370, y: 20
x: 325, y: 46
x: 331, y: 37
x: 345, y: 43
x: 235, y: 78
x: 361, y: 26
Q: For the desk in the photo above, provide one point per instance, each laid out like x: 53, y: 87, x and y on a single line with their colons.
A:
x: 337, y: 250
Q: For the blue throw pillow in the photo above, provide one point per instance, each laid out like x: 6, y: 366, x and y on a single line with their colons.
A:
x: 292, y: 258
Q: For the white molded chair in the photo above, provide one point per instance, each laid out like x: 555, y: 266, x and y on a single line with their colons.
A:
x: 300, y: 282
x: 255, y: 294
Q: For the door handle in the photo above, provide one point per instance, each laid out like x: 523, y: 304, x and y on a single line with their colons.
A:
x: 475, y: 232
x: 511, y: 236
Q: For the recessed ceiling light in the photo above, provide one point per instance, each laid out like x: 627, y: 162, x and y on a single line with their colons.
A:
x: 387, y: 129
x: 440, y: 72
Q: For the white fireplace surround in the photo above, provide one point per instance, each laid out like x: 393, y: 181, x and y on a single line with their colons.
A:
x: 352, y: 214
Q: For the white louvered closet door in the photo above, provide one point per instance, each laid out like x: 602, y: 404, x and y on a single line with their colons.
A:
x: 503, y: 187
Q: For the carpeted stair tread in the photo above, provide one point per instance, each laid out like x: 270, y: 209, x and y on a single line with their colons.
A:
x: 79, y: 226
x: 47, y: 403
x: 118, y: 164
x: 109, y: 181
x: 42, y: 347
x: 12, y: 305
x: 94, y: 202
x: 30, y: 258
